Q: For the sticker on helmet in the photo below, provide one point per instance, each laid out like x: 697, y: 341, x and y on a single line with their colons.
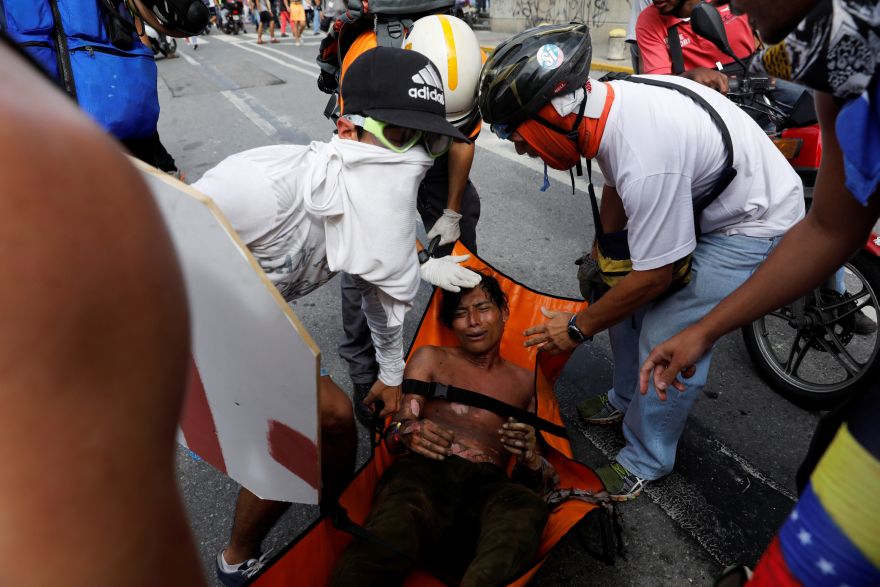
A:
x: 550, y: 56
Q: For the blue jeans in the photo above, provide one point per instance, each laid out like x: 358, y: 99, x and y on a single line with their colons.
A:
x: 652, y: 427
x: 316, y: 22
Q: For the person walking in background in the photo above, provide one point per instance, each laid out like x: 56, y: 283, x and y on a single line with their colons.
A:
x: 317, y: 15
x: 282, y: 9
x: 263, y: 8
x: 297, y: 20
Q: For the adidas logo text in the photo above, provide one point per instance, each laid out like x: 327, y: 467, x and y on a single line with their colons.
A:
x: 426, y: 93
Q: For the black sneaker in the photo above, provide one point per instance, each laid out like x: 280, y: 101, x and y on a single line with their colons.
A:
x: 239, y: 574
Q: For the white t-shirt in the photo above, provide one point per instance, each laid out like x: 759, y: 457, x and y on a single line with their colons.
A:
x: 256, y: 191
x: 665, y: 151
x: 306, y: 211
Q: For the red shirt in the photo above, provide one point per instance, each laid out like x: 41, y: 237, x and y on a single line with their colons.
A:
x: 653, y: 40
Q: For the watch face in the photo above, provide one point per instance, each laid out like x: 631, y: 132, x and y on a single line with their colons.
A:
x: 574, y: 332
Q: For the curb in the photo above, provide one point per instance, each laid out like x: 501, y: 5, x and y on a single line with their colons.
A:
x: 597, y: 64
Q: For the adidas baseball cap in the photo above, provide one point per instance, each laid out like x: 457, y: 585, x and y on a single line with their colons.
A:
x: 398, y: 87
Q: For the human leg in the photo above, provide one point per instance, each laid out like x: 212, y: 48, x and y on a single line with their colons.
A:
x: 408, y: 512
x: 609, y: 408
x: 652, y: 427
x: 511, y: 526
x: 338, y: 439
x: 253, y: 519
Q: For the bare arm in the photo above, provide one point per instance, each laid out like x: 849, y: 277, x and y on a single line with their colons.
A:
x: 835, y: 227
x: 93, y: 355
x: 635, y: 290
x: 421, y: 435
x: 461, y: 158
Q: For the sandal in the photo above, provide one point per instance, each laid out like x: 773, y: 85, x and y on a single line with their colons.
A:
x: 261, y: 42
x: 274, y: 41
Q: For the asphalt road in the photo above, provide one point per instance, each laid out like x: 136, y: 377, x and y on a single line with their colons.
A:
x: 734, y: 481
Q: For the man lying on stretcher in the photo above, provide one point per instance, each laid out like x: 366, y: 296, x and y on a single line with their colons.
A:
x: 448, y: 503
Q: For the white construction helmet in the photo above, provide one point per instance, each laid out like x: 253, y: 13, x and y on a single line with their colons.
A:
x: 452, y: 46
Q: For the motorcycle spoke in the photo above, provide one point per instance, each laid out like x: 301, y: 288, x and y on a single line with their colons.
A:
x: 796, y: 354
x: 839, y: 352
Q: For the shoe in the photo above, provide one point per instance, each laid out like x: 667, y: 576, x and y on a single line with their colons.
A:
x: 274, y: 40
x: 620, y: 483
x: 261, y: 42
x: 284, y: 35
x: 864, y: 325
x: 241, y: 573
x: 598, y: 410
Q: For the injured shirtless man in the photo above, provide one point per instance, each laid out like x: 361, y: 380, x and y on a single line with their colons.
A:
x: 448, y: 503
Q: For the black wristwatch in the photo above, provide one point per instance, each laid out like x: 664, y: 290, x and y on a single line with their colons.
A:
x: 424, y: 255
x: 574, y: 332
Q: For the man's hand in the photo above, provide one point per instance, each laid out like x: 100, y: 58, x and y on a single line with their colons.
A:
x: 552, y: 336
x: 427, y: 439
x: 446, y: 272
x: 676, y: 355
x: 389, y: 395
x: 709, y: 77
x: 446, y: 227
x: 520, y: 440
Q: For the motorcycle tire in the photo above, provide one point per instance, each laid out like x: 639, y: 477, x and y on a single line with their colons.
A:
x: 819, y: 360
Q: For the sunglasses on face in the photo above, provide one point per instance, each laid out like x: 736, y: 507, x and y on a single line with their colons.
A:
x: 401, y: 139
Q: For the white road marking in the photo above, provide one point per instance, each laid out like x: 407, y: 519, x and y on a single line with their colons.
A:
x: 683, y: 501
x: 254, y: 50
x: 245, y: 108
x: 752, y: 470
x: 189, y: 59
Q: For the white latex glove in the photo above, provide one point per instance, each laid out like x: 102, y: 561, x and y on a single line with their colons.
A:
x: 446, y: 272
x: 446, y: 227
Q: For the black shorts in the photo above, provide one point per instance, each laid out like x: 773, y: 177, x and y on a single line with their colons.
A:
x: 265, y: 17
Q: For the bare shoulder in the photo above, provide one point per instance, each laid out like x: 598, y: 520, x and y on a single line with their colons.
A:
x: 423, y: 362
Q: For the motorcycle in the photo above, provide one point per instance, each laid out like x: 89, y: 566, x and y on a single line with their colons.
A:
x: 816, y: 351
x: 233, y: 22
x: 160, y: 42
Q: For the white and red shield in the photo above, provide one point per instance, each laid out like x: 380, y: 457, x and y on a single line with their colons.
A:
x: 251, y: 409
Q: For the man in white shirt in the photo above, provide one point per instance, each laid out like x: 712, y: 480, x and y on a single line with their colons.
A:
x: 661, y: 155
x: 307, y: 212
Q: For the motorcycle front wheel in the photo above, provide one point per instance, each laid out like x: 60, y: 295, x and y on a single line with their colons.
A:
x: 816, y: 352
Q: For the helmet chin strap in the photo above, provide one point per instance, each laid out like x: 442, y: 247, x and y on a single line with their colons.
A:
x: 573, y: 134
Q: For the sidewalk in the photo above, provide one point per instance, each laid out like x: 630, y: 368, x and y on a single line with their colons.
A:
x: 490, y: 39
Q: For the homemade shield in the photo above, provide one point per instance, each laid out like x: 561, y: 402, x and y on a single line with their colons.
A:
x: 309, y: 560
x: 251, y: 408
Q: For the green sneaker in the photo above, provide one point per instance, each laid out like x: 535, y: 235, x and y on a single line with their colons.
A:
x: 598, y: 410
x: 620, y: 483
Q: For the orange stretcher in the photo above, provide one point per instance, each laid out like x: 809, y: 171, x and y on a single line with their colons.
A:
x: 309, y: 560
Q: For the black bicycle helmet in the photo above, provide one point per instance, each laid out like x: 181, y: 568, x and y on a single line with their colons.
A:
x: 186, y: 16
x: 527, y: 70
